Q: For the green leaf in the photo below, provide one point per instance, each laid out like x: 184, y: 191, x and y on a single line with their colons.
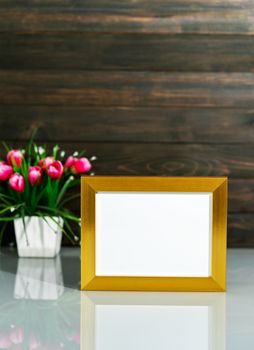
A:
x: 70, y: 216
x: 7, y: 219
x: 81, y: 153
x: 59, y: 226
x: 4, y: 200
x: 2, y: 231
x: 70, y: 198
x: 74, y: 183
x: 24, y: 224
x: 5, y: 196
x: 60, y: 212
x: 55, y: 151
x: 69, y: 227
x: 39, y: 196
x: 64, y: 188
x: 10, y: 207
x: 64, y: 231
x: 7, y: 148
x: 31, y: 142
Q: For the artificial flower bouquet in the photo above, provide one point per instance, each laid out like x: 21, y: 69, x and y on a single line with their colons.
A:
x: 35, y: 185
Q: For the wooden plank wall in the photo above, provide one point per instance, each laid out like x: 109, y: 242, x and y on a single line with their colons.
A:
x: 150, y: 87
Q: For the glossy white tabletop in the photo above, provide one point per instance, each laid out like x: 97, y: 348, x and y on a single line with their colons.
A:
x: 41, y: 307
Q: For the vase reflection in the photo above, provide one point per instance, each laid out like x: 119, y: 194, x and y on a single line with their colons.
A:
x: 37, y: 309
x: 112, y: 321
x: 39, y: 279
x: 29, y: 323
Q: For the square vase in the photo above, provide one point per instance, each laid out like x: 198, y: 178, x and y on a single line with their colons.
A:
x: 40, y: 238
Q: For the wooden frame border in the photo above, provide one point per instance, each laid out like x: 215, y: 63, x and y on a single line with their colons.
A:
x: 91, y: 185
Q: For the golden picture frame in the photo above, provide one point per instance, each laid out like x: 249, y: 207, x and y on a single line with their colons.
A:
x: 153, y: 233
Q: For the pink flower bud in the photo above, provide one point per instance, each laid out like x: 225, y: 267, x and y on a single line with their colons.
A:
x: 55, y: 170
x: 69, y: 162
x: 34, y: 175
x: 44, y: 163
x: 5, y: 171
x: 17, y: 182
x: 82, y: 165
x: 15, y: 158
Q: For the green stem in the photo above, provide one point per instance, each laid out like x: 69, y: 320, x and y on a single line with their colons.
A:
x: 2, y: 231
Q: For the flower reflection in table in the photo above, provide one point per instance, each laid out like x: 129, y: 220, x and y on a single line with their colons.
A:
x: 40, y: 313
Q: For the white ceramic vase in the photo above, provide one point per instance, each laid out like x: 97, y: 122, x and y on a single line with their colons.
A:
x: 40, y: 238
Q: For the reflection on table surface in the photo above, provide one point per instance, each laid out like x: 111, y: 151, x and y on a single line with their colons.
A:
x: 39, y: 279
x: 41, y: 307
x: 37, y: 311
x: 112, y: 321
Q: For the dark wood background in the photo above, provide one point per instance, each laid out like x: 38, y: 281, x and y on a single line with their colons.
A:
x: 151, y: 87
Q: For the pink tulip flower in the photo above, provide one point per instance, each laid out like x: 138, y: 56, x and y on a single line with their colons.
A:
x: 17, y: 182
x: 55, y: 170
x: 44, y: 163
x: 34, y: 175
x: 17, y: 335
x: 5, y: 342
x: 69, y: 162
x: 5, y: 171
x: 15, y: 158
x: 33, y: 343
x: 76, y: 337
x: 82, y: 165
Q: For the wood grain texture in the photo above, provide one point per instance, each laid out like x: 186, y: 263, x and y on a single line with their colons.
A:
x: 175, y: 53
x: 197, y: 16
x: 240, y: 230
x: 148, y: 89
x: 169, y: 125
x: 235, y: 161
x: 175, y: 160
x: 241, y: 196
